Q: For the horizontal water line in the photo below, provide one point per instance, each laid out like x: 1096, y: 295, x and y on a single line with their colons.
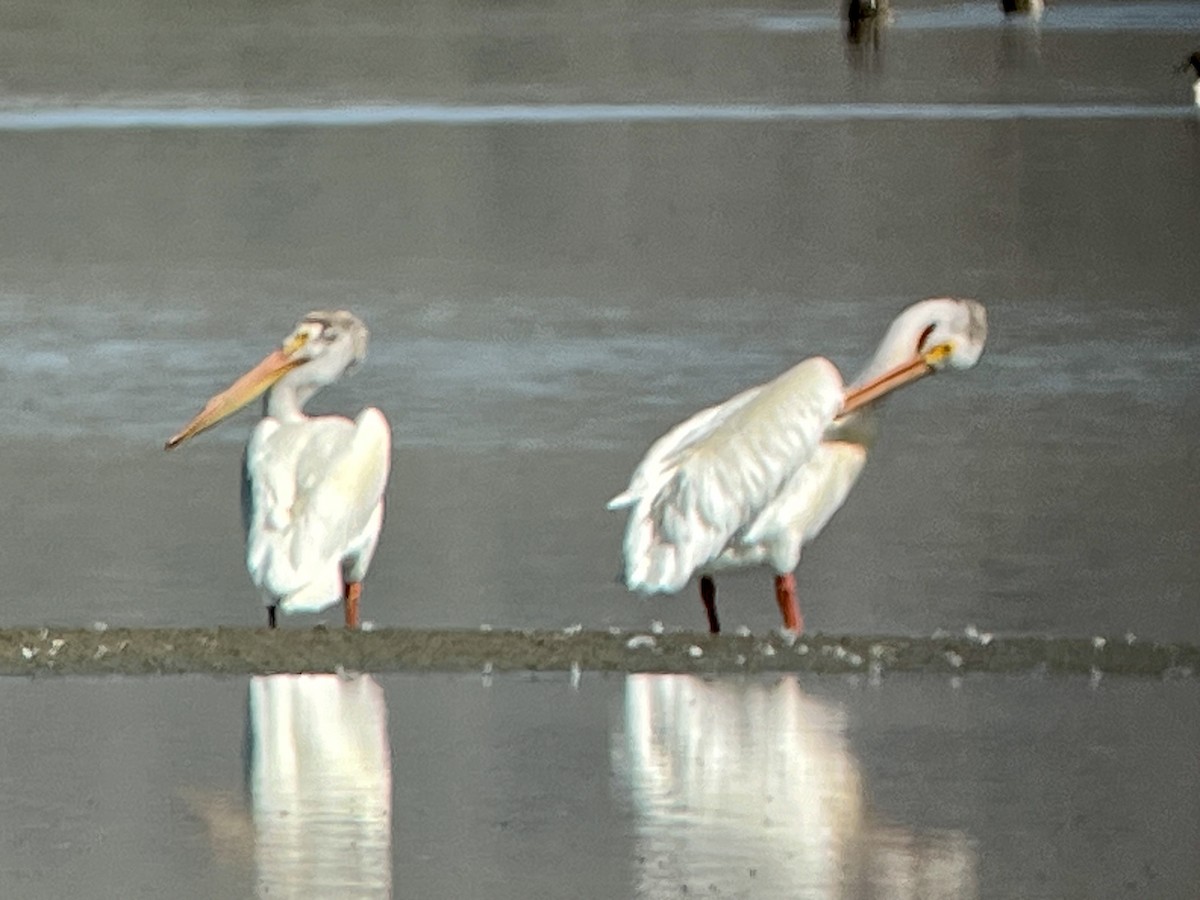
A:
x: 119, y: 118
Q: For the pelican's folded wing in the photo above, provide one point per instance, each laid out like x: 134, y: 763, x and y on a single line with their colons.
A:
x: 344, y: 499
x: 711, y: 476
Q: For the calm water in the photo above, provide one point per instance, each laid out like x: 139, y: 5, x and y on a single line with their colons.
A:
x: 637, y: 787
x: 581, y: 223
x: 570, y: 225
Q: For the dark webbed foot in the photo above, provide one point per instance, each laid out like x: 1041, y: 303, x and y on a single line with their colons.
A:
x: 708, y: 594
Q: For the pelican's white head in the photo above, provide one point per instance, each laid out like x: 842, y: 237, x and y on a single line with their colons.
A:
x: 945, y: 331
x: 929, y: 336
x: 322, y: 347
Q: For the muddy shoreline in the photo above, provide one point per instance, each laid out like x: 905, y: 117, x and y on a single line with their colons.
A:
x: 241, y: 651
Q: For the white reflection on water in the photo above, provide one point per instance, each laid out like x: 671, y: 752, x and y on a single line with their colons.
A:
x: 320, y: 785
x: 747, y: 789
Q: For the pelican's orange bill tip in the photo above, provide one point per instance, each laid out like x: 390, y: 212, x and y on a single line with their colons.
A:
x: 243, y: 391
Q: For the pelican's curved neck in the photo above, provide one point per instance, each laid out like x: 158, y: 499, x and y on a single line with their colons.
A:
x: 285, y: 401
x: 898, y: 346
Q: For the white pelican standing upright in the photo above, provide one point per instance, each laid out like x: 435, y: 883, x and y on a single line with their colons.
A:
x: 312, y: 490
x: 751, y: 480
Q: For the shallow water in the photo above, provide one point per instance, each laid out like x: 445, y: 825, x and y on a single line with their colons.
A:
x: 457, y: 786
x: 553, y: 279
x: 569, y: 226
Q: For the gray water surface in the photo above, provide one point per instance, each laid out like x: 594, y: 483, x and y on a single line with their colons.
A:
x: 569, y: 226
x: 618, y: 787
x: 605, y: 219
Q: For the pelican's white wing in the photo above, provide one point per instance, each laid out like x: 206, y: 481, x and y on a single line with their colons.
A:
x: 660, y: 459
x: 710, y: 478
x: 314, y: 502
x: 803, y: 506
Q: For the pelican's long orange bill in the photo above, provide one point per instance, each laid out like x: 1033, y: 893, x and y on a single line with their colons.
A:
x: 903, y: 374
x: 251, y: 385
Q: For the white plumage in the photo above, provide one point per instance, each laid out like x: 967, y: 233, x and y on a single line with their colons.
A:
x: 692, y: 508
x: 316, y: 506
x: 751, y: 480
x: 312, y: 487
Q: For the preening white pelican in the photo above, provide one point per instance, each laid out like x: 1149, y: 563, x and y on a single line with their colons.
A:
x: 751, y: 480
x: 312, y: 490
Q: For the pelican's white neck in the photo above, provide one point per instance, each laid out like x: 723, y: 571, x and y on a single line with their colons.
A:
x: 898, y: 346
x: 286, y: 400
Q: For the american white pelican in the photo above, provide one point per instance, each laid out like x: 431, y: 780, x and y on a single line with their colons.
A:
x: 312, y: 489
x: 751, y: 480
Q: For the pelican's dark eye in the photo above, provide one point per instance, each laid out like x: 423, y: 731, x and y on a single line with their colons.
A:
x: 328, y: 335
x: 924, y: 337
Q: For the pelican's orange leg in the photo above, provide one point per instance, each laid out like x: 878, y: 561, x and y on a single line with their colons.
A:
x: 789, y: 606
x: 708, y: 594
x: 353, y: 592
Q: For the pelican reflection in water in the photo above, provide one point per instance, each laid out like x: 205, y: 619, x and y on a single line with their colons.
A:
x: 320, y: 781
x: 750, y: 481
x: 312, y: 493
x: 747, y: 789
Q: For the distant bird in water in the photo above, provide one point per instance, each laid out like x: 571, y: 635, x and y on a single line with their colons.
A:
x: 1193, y: 63
x: 1033, y: 8
x: 864, y: 18
x: 312, y: 488
x: 752, y: 480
